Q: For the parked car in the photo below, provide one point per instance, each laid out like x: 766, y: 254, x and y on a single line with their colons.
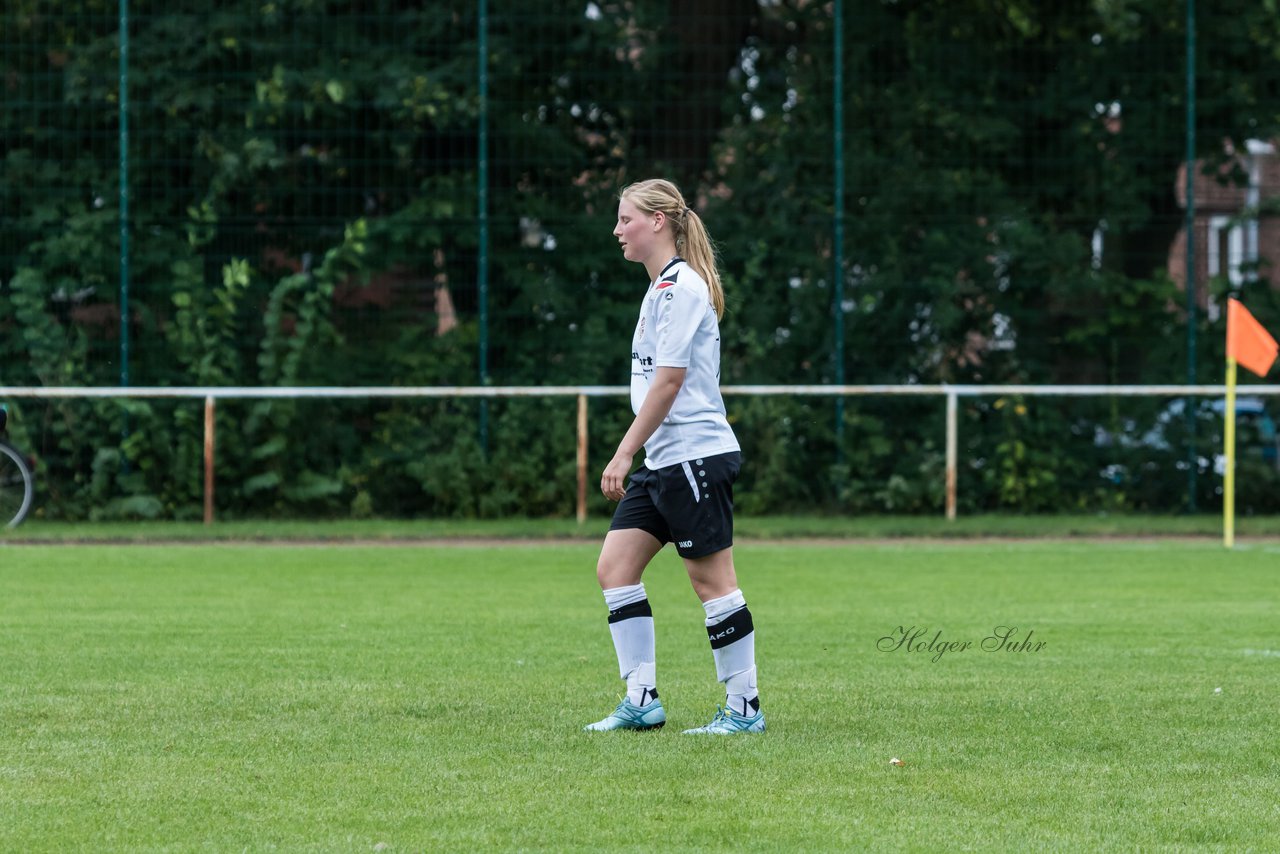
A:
x: 1256, y: 436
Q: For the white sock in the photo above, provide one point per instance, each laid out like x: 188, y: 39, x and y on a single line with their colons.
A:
x: 631, y: 624
x: 733, y: 645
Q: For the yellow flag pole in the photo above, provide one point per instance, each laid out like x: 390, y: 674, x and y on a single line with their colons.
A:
x: 1229, y: 481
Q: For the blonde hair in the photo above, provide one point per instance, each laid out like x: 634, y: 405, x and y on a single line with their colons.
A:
x: 693, y: 244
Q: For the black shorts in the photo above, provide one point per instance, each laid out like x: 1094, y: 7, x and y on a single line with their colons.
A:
x: 689, y: 504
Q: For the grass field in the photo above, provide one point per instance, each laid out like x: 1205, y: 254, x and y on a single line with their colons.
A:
x: 408, y: 698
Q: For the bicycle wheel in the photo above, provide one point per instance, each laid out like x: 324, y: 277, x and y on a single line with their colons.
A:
x: 16, y: 486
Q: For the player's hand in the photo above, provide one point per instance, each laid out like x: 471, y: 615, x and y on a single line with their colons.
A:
x: 613, y: 483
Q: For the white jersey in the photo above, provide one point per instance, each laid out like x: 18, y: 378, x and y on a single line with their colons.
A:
x: 678, y: 329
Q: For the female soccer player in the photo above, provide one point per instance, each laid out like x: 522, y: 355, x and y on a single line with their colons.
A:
x: 684, y: 491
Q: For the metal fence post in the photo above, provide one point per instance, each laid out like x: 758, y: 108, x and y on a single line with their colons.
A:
x: 123, y: 103
x: 123, y: 141
x: 582, y: 458
x: 482, y: 211
x: 1191, y: 251
x: 837, y: 223
x: 951, y: 453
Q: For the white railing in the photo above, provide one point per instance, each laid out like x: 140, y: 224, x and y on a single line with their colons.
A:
x: 951, y: 393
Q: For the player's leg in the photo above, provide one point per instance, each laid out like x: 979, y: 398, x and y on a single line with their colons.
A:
x: 733, y: 643
x: 712, y: 576
x: 623, y: 559
x: 634, y: 539
x: 697, y: 501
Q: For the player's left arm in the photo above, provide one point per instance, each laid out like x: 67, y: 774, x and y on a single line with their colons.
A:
x: 658, y: 401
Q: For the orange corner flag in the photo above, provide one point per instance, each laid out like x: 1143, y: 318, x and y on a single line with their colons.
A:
x: 1247, y: 341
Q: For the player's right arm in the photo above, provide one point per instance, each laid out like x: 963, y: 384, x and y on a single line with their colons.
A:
x: 666, y: 384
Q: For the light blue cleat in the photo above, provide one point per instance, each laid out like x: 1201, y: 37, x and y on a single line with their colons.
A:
x: 630, y: 716
x: 728, y: 722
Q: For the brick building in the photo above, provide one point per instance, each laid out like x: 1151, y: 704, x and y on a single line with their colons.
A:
x: 1242, y: 250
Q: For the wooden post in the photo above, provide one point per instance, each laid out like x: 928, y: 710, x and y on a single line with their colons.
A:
x: 951, y: 455
x: 208, y: 458
x: 582, y: 458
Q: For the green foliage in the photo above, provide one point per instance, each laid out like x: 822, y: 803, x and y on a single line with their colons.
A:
x: 304, y: 211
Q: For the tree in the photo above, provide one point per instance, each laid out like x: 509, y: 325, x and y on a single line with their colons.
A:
x: 304, y: 187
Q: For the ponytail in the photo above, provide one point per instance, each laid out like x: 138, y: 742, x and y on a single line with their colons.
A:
x: 693, y: 243
x: 700, y: 252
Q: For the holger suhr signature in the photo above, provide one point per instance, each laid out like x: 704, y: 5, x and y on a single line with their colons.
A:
x: 915, y: 639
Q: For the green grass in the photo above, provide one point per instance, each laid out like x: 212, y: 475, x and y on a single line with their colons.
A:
x: 342, y: 697
x: 752, y: 527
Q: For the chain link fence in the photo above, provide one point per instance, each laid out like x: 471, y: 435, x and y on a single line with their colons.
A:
x: 328, y: 193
